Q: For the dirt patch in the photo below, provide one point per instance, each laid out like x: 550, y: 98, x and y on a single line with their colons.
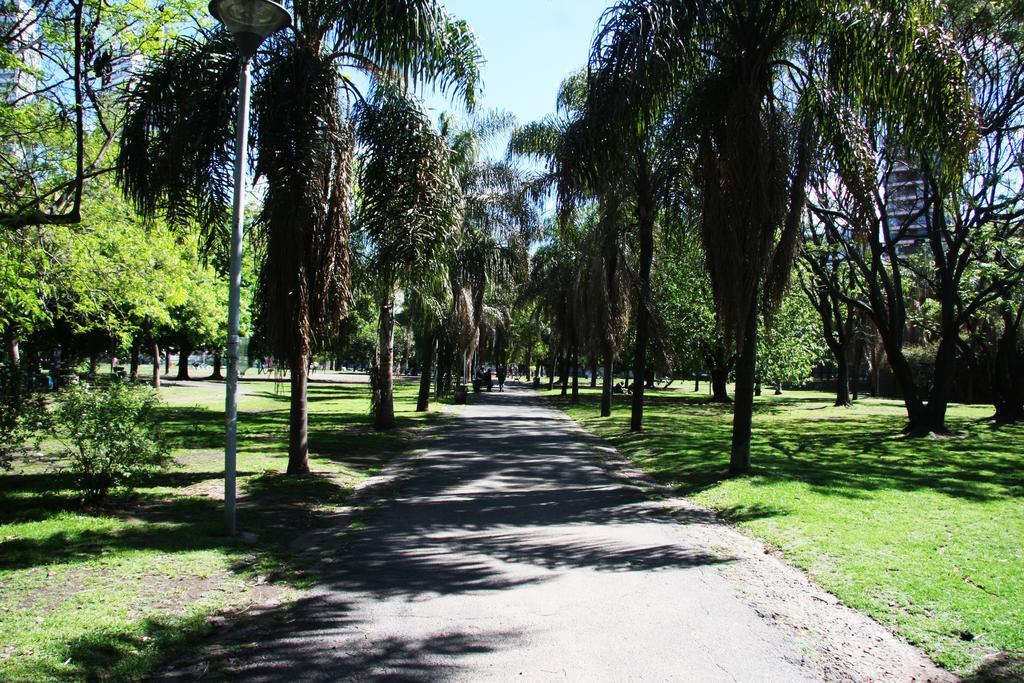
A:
x: 56, y: 591
x: 212, y: 488
x: 159, y: 594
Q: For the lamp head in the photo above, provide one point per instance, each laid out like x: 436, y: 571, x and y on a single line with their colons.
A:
x: 250, y: 21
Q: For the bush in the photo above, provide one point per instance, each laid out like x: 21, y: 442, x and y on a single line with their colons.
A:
x: 111, y: 436
x: 921, y: 358
x: 21, y: 427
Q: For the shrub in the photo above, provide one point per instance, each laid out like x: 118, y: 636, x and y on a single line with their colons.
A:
x: 921, y: 358
x: 111, y: 436
x: 21, y: 427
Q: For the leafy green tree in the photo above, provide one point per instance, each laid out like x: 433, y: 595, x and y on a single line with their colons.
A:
x: 791, y: 343
x: 965, y: 260
x: 199, y: 320
x: 587, y: 195
x: 499, y: 220
x: 683, y: 291
x: 104, y: 282
x: 60, y: 110
x: 22, y: 302
x: 825, y: 276
x: 429, y: 302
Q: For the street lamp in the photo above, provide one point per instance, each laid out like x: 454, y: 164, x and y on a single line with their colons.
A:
x: 250, y: 22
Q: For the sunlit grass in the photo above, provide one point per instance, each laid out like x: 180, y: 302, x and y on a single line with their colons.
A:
x: 925, y: 535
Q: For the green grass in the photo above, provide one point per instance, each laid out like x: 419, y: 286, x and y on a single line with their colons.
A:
x: 111, y: 593
x: 924, y: 535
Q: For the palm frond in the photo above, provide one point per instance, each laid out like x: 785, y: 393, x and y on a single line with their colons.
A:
x: 176, y: 155
x: 409, y: 200
x: 306, y: 156
x: 414, y: 39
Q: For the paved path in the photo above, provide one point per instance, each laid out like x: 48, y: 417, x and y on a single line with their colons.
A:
x: 513, y: 554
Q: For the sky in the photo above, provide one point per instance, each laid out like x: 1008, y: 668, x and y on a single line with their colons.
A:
x: 529, y: 46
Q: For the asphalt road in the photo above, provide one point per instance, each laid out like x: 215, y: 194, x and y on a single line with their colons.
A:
x: 510, y: 554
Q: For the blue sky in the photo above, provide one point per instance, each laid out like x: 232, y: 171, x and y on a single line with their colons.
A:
x: 530, y: 46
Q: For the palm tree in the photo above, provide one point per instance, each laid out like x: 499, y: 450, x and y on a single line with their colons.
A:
x: 582, y: 187
x: 499, y: 221
x: 429, y: 301
x: 409, y: 206
x: 176, y: 149
x: 550, y: 287
x: 762, y: 76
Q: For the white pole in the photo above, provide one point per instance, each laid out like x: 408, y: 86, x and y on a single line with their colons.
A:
x: 234, y: 297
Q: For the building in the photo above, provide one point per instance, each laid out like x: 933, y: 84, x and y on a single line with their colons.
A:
x: 905, y: 192
x: 19, y: 30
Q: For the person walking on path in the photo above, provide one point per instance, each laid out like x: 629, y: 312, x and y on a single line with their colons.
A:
x: 501, y: 377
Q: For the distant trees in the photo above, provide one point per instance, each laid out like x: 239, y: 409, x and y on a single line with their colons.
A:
x: 723, y: 179
x: 720, y: 143
x: 956, y: 246
x: 305, y: 152
x: 752, y: 143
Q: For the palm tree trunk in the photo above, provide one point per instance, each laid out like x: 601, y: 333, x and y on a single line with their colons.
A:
x: 606, y: 390
x: 427, y: 360
x: 440, y: 366
x: 593, y: 372
x: 575, y: 375
x: 384, y: 418
x: 743, y: 412
x: 565, y: 374
x: 529, y: 358
x: 443, y: 365
x: 645, y: 215
x: 298, y: 426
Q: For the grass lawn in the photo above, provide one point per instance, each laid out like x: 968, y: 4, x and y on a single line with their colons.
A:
x: 111, y: 593
x: 925, y: 535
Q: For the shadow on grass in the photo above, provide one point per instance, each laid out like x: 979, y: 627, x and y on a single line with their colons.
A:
x: 999, y: 668
x: 203, y: 531
x: 275, y: 507
x: 337, y: 433
x: 110, y: 654
x: 686, y: 443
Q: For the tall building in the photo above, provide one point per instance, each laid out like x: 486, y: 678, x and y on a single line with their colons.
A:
x: 905, y: 202
x: 20, y: 33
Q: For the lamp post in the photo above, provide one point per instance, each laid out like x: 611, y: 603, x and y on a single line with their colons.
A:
x: 250, y: 22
